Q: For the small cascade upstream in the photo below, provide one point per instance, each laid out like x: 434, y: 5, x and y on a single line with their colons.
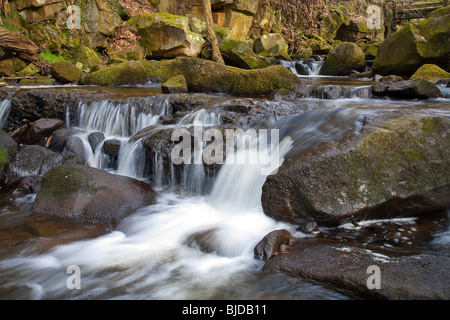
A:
x: 302, y: 68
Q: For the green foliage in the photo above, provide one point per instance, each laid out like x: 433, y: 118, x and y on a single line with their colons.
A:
x: 51, y: 58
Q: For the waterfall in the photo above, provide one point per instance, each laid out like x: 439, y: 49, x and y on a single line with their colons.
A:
x: 5, y: 107
x: 301, y: 68
x: 118, y: 120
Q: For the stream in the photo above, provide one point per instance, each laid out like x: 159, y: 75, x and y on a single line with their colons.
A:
x: 151, y: 254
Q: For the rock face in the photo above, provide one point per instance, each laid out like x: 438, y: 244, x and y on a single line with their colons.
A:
x: 394, y: 168
x: 166, y: 36
x: 403, y: 52
x: 345, y: 267
x: 88, y: 195
x: 344, y: 58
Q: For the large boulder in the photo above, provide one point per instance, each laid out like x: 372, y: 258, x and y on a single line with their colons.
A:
x: 272, y: 45
x: 352, y: 268
x: 165, y: 35
x: 239, y: 54
x: 415, y: 44
x: 65, y: 72
x: 344, y: 58
x: 208, y: 76
x: 32, y: 161
x: 88, y: 195
x: 399, y: 167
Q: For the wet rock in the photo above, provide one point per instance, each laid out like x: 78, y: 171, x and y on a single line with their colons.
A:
x: 24, y: 185
x: 60, y: 138
x: 265, y: 249
x: 309, y: 227
x: 42, y: 129
x: 413, y: 89
x: 88, y: 195
x: 75, y: 145
x: 345, y: 266
x: 205, y: 241
x: 95, y: 139
x: 32, y: 161
x: 33, y: 105
x: 395, y: 167
x: 112, y: 147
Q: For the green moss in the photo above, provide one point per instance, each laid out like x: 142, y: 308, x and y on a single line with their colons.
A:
x: 64, y: 181
x: 430, y: 72
x: 126, y: 73
x: 51, y: 57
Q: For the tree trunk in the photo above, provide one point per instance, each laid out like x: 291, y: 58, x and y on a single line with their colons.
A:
x: 216, y: 55
x: 14, y: 42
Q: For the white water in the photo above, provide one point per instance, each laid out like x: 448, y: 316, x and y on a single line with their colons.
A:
x: 147, y: 256
x: 313, y: 68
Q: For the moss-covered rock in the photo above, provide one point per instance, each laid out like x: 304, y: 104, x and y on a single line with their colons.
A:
x: 239, y: 54
x: 88, y: 195
x: 126, y: 73
x: 40, y: 81
x: 28, y: 71
x: 344, y: 58
x: 415, y: 44
x: 430, y: 72
x: 7, y: 68
x: 396, y: 167
x: 175, y: 84
x: 87, y: 57
x: 65, y: 72
x: 208, y: 76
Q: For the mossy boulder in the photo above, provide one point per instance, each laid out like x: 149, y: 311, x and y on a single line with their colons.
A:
x: 344, y: 58
x: 208, y: 76
x: 272, y: 45
x: 65, y: 72
x: 165, y: 35
x: 240, y: 54
x: 87, y: 195
x: 415, y: 44
x: 126, y: 73
x: 87, y: 57
x: 7, y: 68
x: 430, y: 72
x: 396, y: 167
